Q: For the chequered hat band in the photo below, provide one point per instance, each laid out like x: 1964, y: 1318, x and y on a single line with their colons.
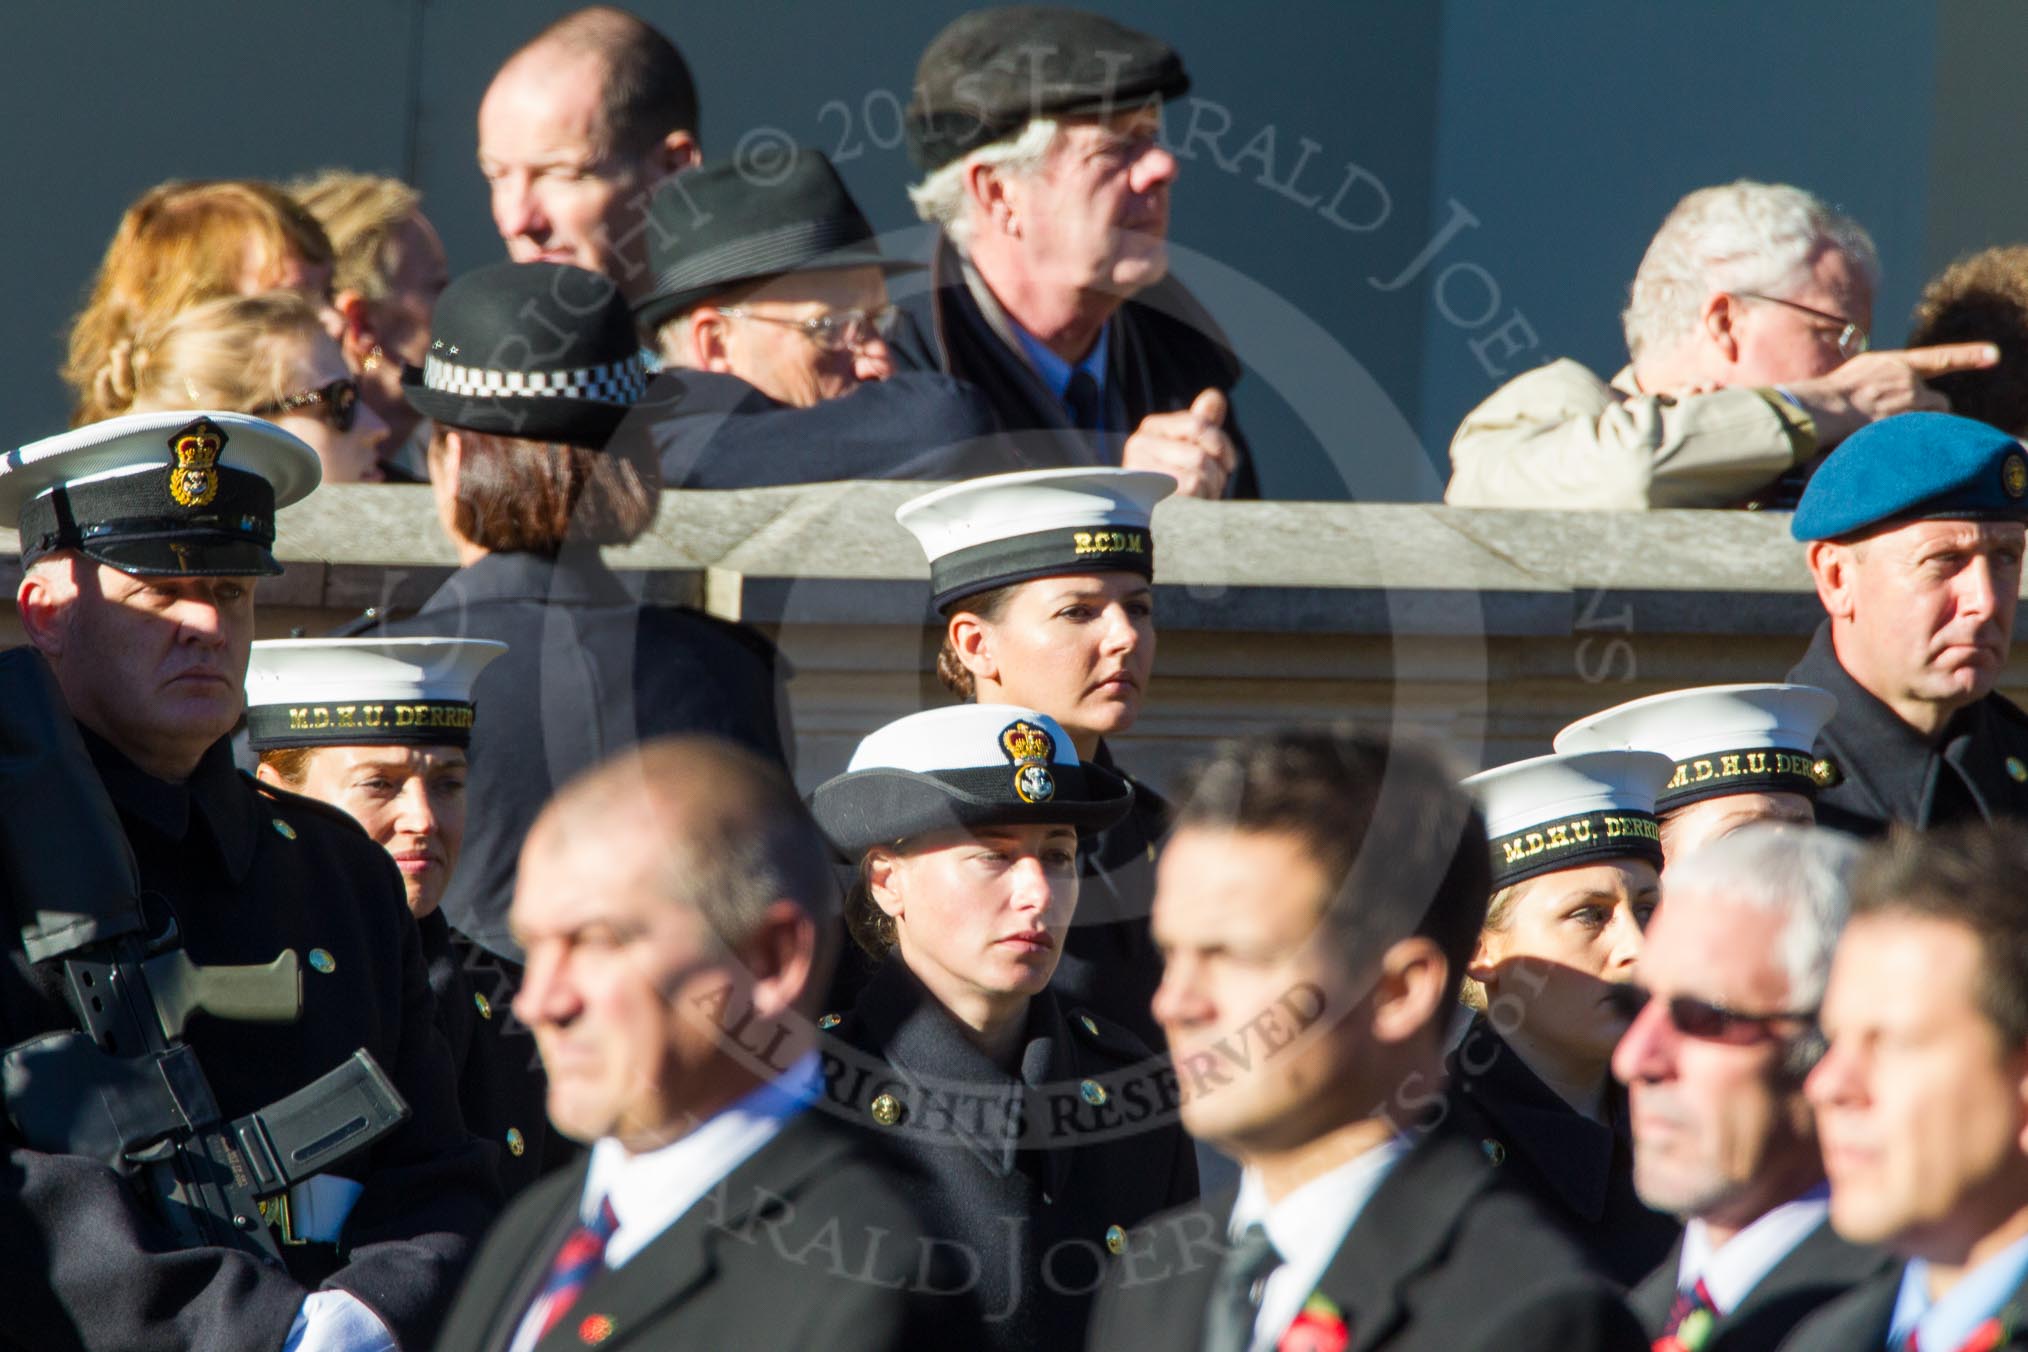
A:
x: 619, y: 383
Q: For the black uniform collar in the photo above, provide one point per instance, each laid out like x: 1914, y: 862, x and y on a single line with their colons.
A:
x: 1873, y: 745
x: 921, y: 1039
x: 1572, y: 1153
x: 577, y: 576
x: 216, y: 789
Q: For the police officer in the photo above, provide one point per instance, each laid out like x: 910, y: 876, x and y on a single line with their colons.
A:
x: 141, y: 539
x: 531, y: 370
x: 1575, y: 851
x: 378, y: 728
x: 1915, y: 538
x: 1045, y: 1129
x: 1743, y: 753
x: 1045, y: 583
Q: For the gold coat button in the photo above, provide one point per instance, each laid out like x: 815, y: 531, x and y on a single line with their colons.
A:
x: 483, y: 1005
x: 284, y: 830
x: 1495, y: 1152
x: 1090, y: 1024
x: 322, y: 961
x: 1093, y: 1093
x: 517, y: 1144
x: 829, y: 1021
x: 886, y: 1110
x: 1116, y: 1240
x: 2017, y: 771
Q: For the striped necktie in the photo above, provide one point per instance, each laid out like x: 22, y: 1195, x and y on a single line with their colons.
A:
x: 582, y: 1256
x: 1690, y: 1318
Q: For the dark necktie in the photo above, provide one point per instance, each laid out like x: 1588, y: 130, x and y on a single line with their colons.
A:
x: 1689, y: 1324
x: 1235, y: 1297
x: 1081, y: 397
x: 579, y: 1260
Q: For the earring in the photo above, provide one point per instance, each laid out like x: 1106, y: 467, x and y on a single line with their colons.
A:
x: 373, y: 359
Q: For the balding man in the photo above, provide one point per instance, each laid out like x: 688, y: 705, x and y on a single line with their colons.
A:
x: 576, y: 131
x: 1748, y: 326
x: 670, y: 903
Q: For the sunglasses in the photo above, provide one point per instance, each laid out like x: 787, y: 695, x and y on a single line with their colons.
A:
x: 337, y: 403
x: 1709, y: 1022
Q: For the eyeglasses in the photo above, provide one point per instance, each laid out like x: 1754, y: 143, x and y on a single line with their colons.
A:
x: 338, y: 402
x: 1852, y: 340
x: 834, y: 332
x: 1709, y: 1022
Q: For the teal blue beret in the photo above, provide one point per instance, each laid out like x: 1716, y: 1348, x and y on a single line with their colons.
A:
x: 1914, y: 467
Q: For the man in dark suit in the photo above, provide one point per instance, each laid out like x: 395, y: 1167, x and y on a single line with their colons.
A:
x: 670, y: 904
x: 769, y: 310
x: 1316, y: 928
x: 1038, y: 132
x: 1734, y: 965
x: 1922, y: 1098
x: 1915, y: 532
x: 142, y: 539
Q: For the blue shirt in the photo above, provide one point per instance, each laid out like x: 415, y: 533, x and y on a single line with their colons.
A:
x: 1056, y: 372
x: 1948, y: 1322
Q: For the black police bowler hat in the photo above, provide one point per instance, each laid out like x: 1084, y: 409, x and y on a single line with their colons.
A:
x: 989, y: 72
x: 728, y: 224
x: 538, y: 351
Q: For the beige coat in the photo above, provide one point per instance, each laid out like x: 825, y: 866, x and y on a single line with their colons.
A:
x: 1559, y: 437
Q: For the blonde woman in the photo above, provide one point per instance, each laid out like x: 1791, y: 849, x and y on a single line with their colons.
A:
x: 1576, y: 860
x: 267, y: 355
x: 183, y: 243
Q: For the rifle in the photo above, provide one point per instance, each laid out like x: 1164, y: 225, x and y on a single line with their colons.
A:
x: 123, y: 1087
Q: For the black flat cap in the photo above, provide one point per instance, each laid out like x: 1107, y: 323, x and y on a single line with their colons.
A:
x: 729, y: 224
x: 990, y: 71
x: 539, y: 351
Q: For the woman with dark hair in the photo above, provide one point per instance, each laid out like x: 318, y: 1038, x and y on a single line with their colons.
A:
x: 1045, y: 579
x: 531, y: 369
x: 1043, y: 1128
x: 1576, y: 859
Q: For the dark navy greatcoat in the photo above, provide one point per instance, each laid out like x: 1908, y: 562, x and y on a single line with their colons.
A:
x: 247, y: 870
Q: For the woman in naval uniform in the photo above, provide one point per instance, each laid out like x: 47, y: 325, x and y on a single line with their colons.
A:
x: 1576, y: 859
x: 1046, y: 1131
x: 1045, y: 582
x: 378, y: 729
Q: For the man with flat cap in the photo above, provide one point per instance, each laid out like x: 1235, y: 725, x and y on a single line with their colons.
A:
x: 1037, y: 129
x: 769, y: 309
x: 1743, y: 754
x: 142, y: 538
x: 1915, y: 533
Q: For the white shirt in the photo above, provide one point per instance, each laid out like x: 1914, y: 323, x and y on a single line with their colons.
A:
x: 652, y: 1190
x: 1977, y: 1297
x: 1307, y: 1227
x: 1732, y: 1271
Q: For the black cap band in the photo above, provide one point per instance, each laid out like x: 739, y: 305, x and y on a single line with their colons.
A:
x: 426, y: 722
x: 1758, y: 769
x: 1050, y: 553
x: 1571, y: 842
x: 216, y: 521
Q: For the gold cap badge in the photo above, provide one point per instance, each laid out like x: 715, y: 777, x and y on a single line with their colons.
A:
x: 2014, y: 475
x: 1031, y: 748
x: 193, y: 477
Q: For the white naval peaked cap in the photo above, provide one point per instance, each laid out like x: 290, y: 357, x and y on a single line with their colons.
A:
x: 1721, y: 739
x: 968, y: 765
x: 1007, y: 528
x: 187, y: 492
x: 1563, y: 811
x: 364, y: 691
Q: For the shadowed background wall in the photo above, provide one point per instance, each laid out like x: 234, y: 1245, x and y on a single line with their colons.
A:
x: 1390, y: 205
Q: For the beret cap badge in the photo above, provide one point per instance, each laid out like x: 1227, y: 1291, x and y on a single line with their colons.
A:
x: 2014, y: 475
x: 1031, y: 748
x: 193, y: 477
